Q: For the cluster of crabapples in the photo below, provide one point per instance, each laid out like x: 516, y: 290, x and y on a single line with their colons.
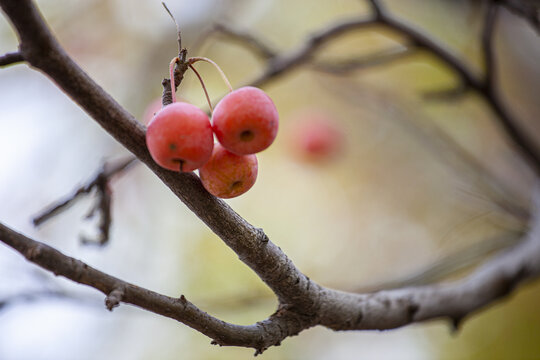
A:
x: 180, y: 137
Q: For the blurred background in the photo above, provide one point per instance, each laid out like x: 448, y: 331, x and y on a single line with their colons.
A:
x: 387, y: 201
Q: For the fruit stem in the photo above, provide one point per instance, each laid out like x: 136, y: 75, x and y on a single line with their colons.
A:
x: 171, y: 73
x: 193, y: 60
x: 203, y: 86
x: 177, y: 28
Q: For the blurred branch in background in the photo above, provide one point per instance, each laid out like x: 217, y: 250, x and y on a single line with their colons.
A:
x: 101, y: 184
x: 526, y: 9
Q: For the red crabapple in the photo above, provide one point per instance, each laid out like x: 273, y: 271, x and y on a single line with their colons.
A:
x: 227, y: 175
x: 180, y: 137
x: 245, y: 121
x: 316, y: 137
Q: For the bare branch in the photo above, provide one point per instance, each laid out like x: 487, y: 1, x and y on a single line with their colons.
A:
x: 100, y: 182
x: 282, y: 63
x: 11, y: 58
x: 334, y: 309
x: 302, y: 303
x: 519, y: 138
x: 258, y: 336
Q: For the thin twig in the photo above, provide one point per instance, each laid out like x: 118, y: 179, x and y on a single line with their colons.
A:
x: 487, y: 45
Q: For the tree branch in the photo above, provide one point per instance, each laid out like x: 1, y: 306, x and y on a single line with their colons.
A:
x: 258, y: 336
x: 487, y: 45
x: 331, y: 308
x: 11, y: 58
x: 283, y: 63
x: 518, y: 137
x: 302, y: 303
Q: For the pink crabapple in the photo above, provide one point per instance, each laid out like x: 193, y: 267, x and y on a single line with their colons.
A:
x: 180, y: 137
x: 316, y: 137
x: 245, y: 121
x: 227, y: 175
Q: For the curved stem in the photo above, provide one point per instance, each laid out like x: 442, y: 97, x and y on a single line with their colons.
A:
x: 203, y: 86
x: 193, y: 60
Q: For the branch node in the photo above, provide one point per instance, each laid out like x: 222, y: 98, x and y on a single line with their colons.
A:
x: 34, y: 252
x: 412, y: 309
x: 455, y: 324
x: 113, y: 299
x: 183, y: 299
x: 262, y: 236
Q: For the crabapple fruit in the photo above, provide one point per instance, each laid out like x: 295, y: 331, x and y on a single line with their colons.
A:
x: 245, y: 121
x: 180, y: 137
x: 227, y: 175
x: 316, y: 137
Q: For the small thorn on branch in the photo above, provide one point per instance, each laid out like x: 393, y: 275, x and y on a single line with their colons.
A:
x: 114, y: 298
x: 455, y: 324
